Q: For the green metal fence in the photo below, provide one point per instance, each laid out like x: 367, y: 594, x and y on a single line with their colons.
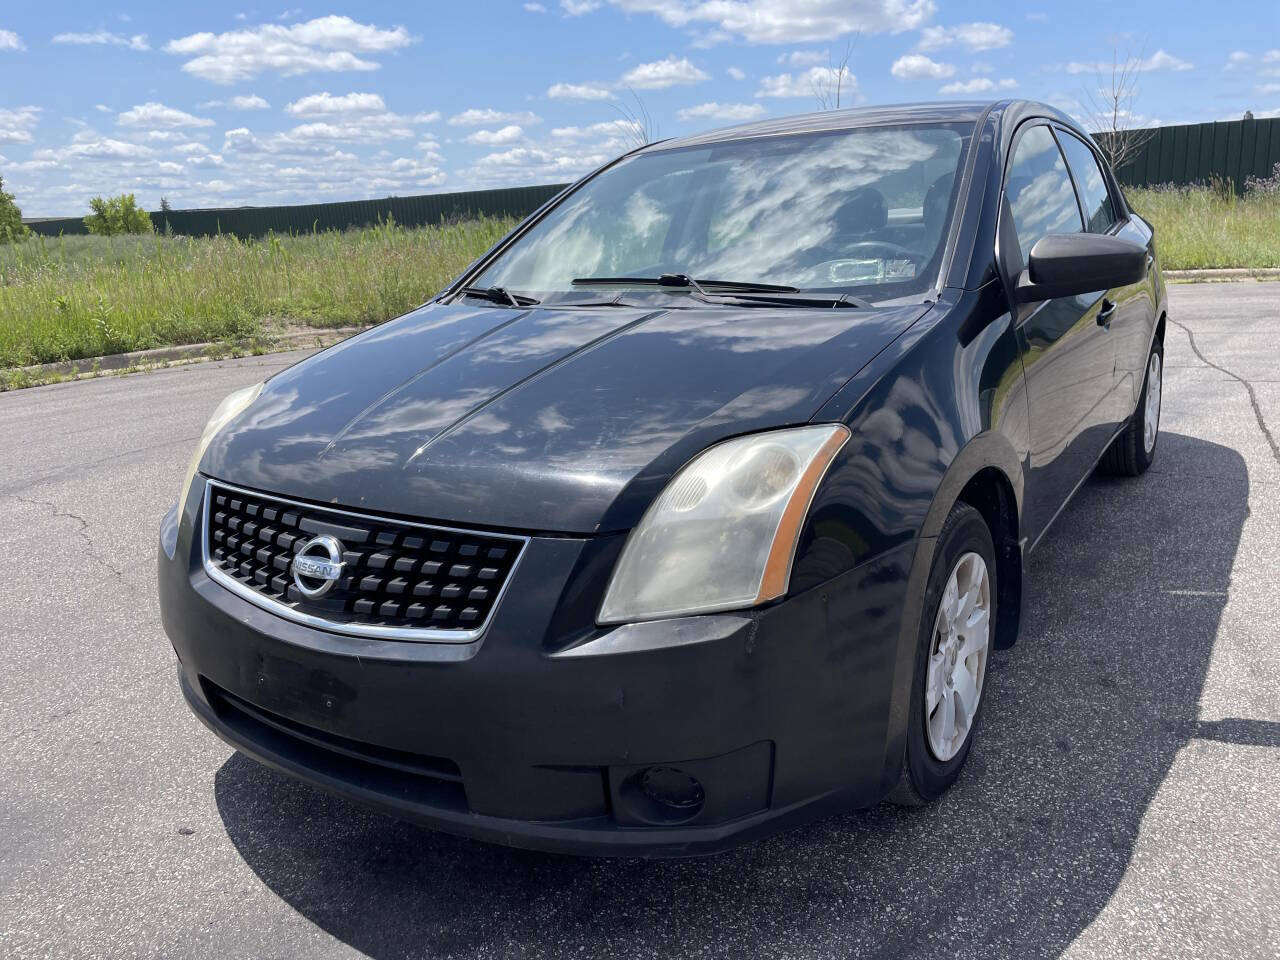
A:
x: 1231, y: 150
x: 257, y: 221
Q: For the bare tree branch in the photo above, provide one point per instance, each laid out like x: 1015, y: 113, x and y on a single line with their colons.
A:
x: 1110, y: 106
x: 829, y: 89
x: 641, y: 128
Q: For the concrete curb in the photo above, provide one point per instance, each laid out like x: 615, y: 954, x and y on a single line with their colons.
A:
x: 1219, y: 275
x: 89, y: 367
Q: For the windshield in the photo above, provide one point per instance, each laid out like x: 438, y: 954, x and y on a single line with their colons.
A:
x: 852, y: 211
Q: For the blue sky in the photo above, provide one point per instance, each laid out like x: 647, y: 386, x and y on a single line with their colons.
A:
x: 267, y: 105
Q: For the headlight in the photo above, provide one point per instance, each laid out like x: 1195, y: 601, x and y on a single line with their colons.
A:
x: 227, y: 411
x: 723, y: 533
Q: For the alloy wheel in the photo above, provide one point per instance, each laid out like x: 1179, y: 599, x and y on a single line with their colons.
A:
x: 1151, y: 416
x: 958, y: 656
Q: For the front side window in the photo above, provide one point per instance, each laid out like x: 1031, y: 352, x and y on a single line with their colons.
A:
x: 1099, y: 213
x: 1038, y: 190
x: 859, y: 211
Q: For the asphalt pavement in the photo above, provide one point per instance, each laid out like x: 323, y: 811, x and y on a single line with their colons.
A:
x: 1123, y: 799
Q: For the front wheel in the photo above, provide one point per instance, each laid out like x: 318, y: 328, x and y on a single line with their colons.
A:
x: 956, y: 629
x: 1132, y: 452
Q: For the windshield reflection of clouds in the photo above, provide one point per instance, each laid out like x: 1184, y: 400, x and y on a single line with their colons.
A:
x: 795, y: 210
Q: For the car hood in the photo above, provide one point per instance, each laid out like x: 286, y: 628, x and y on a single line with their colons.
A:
x: 559, y: 420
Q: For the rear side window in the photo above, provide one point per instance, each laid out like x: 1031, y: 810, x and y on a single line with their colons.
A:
x: 1099, y: 211
x: 1039, y: 191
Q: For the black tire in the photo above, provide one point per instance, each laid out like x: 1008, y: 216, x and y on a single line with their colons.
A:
x: 1128, y: 455
x: 924, y: 777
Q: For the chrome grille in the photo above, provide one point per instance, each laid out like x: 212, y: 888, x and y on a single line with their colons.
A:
x: 399, y: 580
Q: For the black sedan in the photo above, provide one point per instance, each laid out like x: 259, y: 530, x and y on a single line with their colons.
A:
x: 696, y: 506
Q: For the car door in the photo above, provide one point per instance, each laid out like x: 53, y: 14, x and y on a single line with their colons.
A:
x: 1067, y: 353
x: 1132, y: 307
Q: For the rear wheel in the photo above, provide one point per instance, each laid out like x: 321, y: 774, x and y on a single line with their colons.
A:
x: 956, y: 630
x: 1131, y: 453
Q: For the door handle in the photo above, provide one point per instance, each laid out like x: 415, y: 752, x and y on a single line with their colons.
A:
x: 1107, y: 313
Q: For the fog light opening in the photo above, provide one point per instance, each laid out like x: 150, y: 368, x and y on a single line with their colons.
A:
x: 672, y: 788
x: 663, y: 796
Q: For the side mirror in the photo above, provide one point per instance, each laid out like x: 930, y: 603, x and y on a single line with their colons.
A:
x: 1067, y: 264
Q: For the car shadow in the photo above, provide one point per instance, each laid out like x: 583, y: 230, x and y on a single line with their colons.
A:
x: 1084, y: 718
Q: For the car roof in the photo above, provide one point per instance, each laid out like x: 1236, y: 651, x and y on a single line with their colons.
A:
x: 891, y: 114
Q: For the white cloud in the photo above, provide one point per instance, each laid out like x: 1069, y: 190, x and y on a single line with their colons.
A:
x: 319, y: 136
x: 349, y: 118
x: 326, y: 43
x: 979, y: 85
x: 807, y: 84
x: 576, y: 8
x: 663, y: 73
x: 104, y: 148
x: 916, y: 66
x: 16, y: 123
x: 102, y: 108
x: 789, y: 21
x: 535, y: 8
x: 10, y: 41
x: 487, y: 116
x: 804, y: 58
x: 136, y: 42
x: 357, y: 131
x: 430, y: 150
x: 327, y: 105
x: 533, y: 165
x: 508, y: 134
x: 971, y: 36
x: 722, y: 111
x: 606, y: 129
x: 1157, y: 61
x: 246, y: 102
x: 1267, y: 88
x: 657, y: 75
x: 152, y: 114
x: 420, y: 173
x: 579, y: 91
x: 1237, y: 58
x: 1164, y: 61
x: 735, y: 73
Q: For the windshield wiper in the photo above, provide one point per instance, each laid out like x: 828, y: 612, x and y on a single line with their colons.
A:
x: 739, y: 293
x: 799, y: 300
x: 684, y: 280
x: 499, y: 295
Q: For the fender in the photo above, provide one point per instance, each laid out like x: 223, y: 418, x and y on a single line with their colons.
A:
x: 987, y: 450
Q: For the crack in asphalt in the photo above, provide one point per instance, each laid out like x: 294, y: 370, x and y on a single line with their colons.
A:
x: 121, y: 691
x: 82, y: 531
x: 1248, y: 386
x: 11, y: 490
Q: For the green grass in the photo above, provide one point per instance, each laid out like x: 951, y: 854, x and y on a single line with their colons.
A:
x: 82, y: 296
x: 78, y: 297
x: 1199, y: 227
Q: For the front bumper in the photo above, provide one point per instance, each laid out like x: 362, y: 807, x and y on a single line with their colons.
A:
x: 540, y: 733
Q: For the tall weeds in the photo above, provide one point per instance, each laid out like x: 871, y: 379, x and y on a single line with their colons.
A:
x: 75, y: 297
x: 1212, y: 226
